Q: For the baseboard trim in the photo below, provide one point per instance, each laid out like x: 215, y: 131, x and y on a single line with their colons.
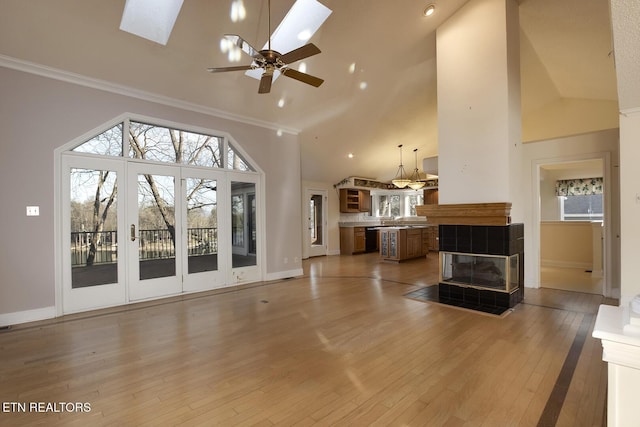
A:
x: 8, y: 319
x: 284, y: 274
x: 565, y: 264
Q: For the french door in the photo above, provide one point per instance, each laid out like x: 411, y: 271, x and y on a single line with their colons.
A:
x: 93, y: 229
x: 154, y: 218
x: 174, y: 233
x: 142, y: 231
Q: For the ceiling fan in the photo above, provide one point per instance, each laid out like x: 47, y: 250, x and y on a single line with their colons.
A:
x: 271, y: 61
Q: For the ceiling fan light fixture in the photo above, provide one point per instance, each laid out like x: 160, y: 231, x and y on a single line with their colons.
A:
x: 429, y: 10
x: 238, y: 11
x: 304, y: 15
x: 269, y: 63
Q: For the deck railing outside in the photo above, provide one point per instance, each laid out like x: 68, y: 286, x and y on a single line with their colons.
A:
x: 153, y: 244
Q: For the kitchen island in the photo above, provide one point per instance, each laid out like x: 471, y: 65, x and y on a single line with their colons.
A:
x: 403, y: 242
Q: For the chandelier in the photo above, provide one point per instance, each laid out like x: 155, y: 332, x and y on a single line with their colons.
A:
x: 416, y: 182
x: 400, y: 180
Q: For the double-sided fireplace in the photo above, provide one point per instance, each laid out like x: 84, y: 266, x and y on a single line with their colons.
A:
x: 481, y: 265
x: 481, y: 260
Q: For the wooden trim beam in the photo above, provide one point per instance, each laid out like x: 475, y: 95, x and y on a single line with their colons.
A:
x: 467, y: 213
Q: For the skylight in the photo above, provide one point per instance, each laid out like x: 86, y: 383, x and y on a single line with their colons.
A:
x: 150, y: 19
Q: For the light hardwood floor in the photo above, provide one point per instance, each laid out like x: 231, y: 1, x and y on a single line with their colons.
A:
x: 570, y: 279
x: 339, y: 346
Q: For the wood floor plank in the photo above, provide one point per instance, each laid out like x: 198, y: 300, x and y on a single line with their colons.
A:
x: 339, y: 346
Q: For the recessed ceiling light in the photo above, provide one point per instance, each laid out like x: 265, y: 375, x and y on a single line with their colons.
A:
x: 363, y: 85
x: 350, y: 155
x: 429, y: 10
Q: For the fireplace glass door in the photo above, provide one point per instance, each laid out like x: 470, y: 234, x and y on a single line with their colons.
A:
x: 498, y: 273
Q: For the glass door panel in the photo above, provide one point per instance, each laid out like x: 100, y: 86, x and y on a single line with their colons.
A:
x: 244, y: 229
x: 156, y: 226
x: 317, y: 220
x: 243, y: 224
x: 202, y: 250
x: 202, y: 225
x: 94, y: 227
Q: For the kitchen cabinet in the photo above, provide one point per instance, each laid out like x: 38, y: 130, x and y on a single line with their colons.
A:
x: 400, y: 243
x: 353, y: 240
x: 353, y: 200
x: 389, y: 244
x: 415, y: 243
x: 433, y: 241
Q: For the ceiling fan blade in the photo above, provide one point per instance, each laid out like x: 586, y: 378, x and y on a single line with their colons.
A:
x: 300, y: 53
x: 223, y: 69
x: 265, y: 82
x: 303, y: 77
x: 246, y: 47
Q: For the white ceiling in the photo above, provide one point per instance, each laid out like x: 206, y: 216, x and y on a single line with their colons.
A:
x: 565, y: 46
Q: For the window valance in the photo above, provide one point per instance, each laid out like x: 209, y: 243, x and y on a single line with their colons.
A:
x: 579, y: 187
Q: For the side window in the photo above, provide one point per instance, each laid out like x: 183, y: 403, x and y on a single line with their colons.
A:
x: 108, y: 143
x: 235, y: 161
x: 580, y: 199
x: 581, y: 208
x: 397, y: 204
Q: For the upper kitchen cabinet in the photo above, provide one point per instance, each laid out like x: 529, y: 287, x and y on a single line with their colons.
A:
x: 353, y: 200
x: 431, y: 196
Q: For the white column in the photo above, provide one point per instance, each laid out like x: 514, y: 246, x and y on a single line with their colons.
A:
x: 479, y: 123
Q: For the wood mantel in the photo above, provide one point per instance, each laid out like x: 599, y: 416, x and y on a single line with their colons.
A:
x: 467, y: 213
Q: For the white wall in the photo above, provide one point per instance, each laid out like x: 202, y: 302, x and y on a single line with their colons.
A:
x: 39, y: 114
x: 549, y: 204
x: 582, y: 147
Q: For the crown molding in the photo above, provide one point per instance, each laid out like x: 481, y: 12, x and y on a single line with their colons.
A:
x: 78, y: 79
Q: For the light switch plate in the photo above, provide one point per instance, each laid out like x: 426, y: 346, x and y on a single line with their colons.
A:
x: 33, y: 210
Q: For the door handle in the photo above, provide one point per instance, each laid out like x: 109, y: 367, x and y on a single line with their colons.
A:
x: 133, y: 232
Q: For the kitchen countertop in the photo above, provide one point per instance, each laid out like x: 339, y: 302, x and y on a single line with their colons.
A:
x: 385, y: 224
x: 403, y: 227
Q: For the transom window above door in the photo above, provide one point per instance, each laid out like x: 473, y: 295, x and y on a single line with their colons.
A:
x: 165, y: 144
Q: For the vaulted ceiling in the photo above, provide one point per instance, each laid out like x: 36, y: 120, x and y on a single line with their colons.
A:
x: 566, y: 57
